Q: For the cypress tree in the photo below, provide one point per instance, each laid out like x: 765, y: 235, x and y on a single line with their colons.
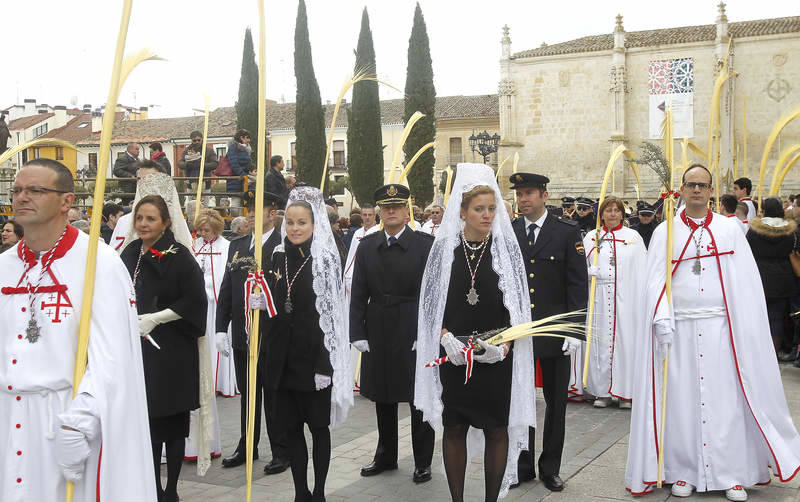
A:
x: 247, y: 104
x: 420, y: 95
x: 364, y: 139
x: 309, y: 117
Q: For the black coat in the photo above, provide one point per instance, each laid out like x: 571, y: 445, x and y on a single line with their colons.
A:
x: 230, y: 300
x: 771, y: 248
x: 295, y: 344
x: 174, y: 282
x: 557, y: 275
x: 646, y: 231
x: 383, y: 310
x: 274, y: 182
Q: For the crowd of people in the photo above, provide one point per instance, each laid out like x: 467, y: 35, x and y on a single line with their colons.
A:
x: 398, y: 304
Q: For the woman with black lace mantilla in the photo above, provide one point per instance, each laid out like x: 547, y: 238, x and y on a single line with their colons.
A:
x: 484, y: 387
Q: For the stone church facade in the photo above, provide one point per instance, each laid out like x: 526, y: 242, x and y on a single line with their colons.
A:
x: 565, y: 107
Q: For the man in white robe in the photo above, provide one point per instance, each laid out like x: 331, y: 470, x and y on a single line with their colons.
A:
x: 727, y: 422
x: 432, y: 225
x: 741, y: 189
x: 100, y: 439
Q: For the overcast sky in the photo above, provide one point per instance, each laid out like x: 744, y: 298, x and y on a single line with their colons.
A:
x: 60, y: 52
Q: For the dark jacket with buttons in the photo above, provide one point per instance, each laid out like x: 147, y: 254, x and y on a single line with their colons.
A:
x: 557, y: 277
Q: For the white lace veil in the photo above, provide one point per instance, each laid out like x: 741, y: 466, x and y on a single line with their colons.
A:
x: 508, y: 264
x: 201, y: 431
x: 163, y: 185
x: 326, y: 268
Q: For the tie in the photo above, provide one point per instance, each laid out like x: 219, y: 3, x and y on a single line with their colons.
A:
x: 532, y: 234
x: 392, y: 240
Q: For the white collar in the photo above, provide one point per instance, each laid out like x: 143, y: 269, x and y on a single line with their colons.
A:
x: 264, y: 237
x: 396, y: 236
x: 538, y: 222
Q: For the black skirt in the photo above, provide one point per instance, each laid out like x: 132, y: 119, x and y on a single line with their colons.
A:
x: 485, y: 400
x: 170, y: 427
x: 293, y: 407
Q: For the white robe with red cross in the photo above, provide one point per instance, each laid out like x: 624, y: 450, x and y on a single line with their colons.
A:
x: 211, y: 256
x: 727, y: 422
x: 617, y: 316
x: 36, y: 378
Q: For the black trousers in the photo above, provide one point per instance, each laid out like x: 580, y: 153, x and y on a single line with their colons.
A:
x: 422, y: 436
x: 555, y: 382
x: 277, y: 440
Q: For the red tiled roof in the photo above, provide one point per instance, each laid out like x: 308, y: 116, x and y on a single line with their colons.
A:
x: 667, y: 36
x: 29, y: 121
x: 72, y: 130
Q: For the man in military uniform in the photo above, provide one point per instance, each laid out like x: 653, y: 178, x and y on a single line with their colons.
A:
x: 568, y: 207
x: 383, y: 326
x: 231, y: 310
x: 584, y: 215
x: 646, y: 223
x: 555, y: 262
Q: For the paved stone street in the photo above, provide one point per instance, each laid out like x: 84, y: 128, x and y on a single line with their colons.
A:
x: 593, y: 465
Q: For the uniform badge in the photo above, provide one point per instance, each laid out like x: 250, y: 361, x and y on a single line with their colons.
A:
x: 518, y: 178
x: 391, y: 191
x: 580, y: 249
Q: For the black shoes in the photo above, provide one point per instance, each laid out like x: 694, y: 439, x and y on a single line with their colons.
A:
x: 237, y: 459
x: 522, y: 478
x: 422, y: 475
x: 374, y: 468
x: 276, y: 466
x: 553, y: 483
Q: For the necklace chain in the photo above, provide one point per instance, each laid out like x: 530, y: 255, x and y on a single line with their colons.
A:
x: 290, y: 283
x: 472, y: 296
x: 46, y: 260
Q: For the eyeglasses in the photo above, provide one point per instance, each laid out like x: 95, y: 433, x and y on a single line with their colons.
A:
x: 197, y: 140
x: 34, y: 192
x: 691, y: 185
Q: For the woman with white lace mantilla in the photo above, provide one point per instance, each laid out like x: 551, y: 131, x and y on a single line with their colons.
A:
x: 476, y: 260
x: 308, y: 352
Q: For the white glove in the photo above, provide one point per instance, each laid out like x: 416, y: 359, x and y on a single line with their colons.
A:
x: 361, y: 345
x: 72, y: 450
x: 148, y: 322
x: 492, y: 353
x: 594, y: 270
x: 223, y: 342
x: 321, y: 381
x: 414, y: 346
x: 570, y: 346
x: 258, y: 301
x: 664, y: 335
x: 453, y: 349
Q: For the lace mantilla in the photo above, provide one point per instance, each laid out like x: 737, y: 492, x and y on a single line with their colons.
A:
x: 508, y: 264
x: 326, y: 269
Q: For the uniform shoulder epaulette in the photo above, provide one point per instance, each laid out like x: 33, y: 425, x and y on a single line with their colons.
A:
x: 567, y: 221
x: 424, y: 234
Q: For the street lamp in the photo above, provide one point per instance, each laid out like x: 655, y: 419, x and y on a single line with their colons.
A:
x: 484, y: 144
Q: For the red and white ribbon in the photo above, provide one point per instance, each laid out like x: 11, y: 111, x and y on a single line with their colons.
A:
x: 252, y: 281
x: 468, y: 352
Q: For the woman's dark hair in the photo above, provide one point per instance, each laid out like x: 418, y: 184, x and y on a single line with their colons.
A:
x: 241, y: 133
x: 155, y: 145
x: 303, y: 204
x: 773, y: 207
x: 158, y: 202
x: 18, y: 230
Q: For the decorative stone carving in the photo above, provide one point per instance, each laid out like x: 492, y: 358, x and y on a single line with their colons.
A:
x: 618, y: 79
x: 778, y: 89
x: 506, y: 87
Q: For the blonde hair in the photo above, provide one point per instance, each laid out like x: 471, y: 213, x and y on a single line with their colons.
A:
x: 467, y: 197
x: 210, y: 218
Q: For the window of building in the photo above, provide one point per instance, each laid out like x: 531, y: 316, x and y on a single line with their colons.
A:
x: 59, y: 153
x: 337, y: 186
x: 37, y: 153
x: 38, y: 131
x: 456, y: 152
x: 93, y: 161
x: 120, y: 154
x: 221, y: 151
x: 338, y: 154
x: 293, y: 165
x: 82, y: 125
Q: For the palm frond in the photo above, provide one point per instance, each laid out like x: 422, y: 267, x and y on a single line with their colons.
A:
x: 558, y: 326
x: 653, y: 157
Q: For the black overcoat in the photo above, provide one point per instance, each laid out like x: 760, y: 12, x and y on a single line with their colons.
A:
x: 173, y: 281
x: 230, y: 301
x: 557, y: 276
x: 383, y: 310
x: 295, y: 345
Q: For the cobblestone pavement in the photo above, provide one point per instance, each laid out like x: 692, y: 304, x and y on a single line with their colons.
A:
x: 593, y: 465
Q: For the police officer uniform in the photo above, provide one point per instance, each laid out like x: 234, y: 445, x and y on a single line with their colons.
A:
x: 555, y: 264
x: 568, y: 207
x: 587, y: 222
x: 645, y: 230
x: 383, y: 313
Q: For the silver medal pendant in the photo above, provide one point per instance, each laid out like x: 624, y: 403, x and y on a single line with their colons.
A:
x: 32, y: 331
x: 472, y: 296
x: 696, y: 268
x: 288, y: 306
